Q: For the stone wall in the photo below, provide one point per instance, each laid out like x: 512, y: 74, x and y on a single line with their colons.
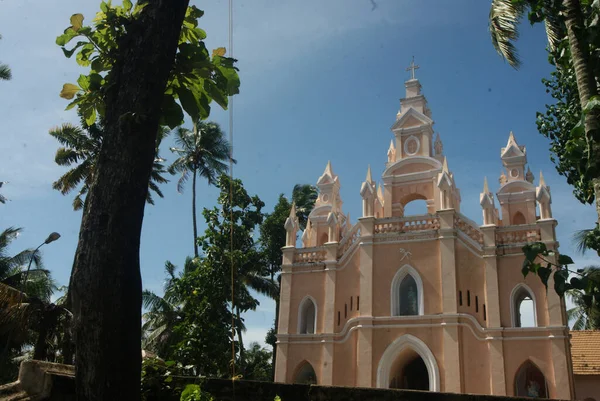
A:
x: 44, y: 381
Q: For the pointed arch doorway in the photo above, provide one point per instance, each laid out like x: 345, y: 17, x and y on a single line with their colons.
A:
x: 408, y: 363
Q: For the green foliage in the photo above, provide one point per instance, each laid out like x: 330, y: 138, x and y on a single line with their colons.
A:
x: 81, y: 149
x: 549, y: 264
x: 5, y: 73
x: 194, y: 392
x: 585, y: 313
x: 204, y: 332
x: 157, y: 379
x: 197, y: 77
x: 2, y: 197
x: 257, y: 365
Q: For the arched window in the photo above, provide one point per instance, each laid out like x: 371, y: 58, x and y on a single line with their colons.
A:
x: 518, y: 218
x: 407, y: 293
x: 323, y: 239
x: 523, y: 307
x: 307, y: 316
x: 305, y: 374
x: 530, y: 381
x: 416, y: 207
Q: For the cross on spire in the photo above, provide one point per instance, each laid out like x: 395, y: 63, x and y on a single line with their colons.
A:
x: 412, y: 68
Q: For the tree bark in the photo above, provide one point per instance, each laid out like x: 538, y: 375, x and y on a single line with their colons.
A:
x: 106, y: 282
x: 586, y: 86
x: 194, y: 213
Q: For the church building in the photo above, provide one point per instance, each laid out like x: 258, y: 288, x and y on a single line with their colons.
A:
x: 431, y: 302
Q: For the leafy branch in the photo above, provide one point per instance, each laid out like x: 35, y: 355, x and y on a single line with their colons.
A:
x: 546, y: 263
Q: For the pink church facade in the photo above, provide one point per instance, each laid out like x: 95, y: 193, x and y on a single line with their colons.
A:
x: 430, y: 302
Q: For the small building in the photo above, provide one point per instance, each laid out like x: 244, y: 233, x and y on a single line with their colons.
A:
x: 430, y: 302
x: 585, y: 351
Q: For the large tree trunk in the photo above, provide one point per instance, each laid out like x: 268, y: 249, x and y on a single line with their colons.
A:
x: 106, y: 283
x: 586, y: 86
x: 194, y: 213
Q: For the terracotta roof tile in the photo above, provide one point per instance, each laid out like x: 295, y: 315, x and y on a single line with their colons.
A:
x: 585, y: 351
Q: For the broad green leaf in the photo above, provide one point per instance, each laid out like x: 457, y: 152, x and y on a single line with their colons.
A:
x: 172, y: 115
x: 104, y: 7
x: 189, y: 101
x: 76, y: 21
x: 560, y: 281
x: 89, y: 113
x: 545, y: 273
x: 127, y: 5
x: 95, y: 81
x: 69, y: 53
x: 66, y: 37
x: 525, y: 268
x: 216, y: 94
x: 565, y: 260
x: 531, y: 251
x: 68, y: 91
x: 84, y: 82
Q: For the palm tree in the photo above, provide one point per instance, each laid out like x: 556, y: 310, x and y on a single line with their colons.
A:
x: 81, y: 148
x: 564, y: 20
x: 24, y: 301
x: 2, y: 198
x: 203, y: 152
x: 304, y: 196
x: 586, y: 312
x: 5, y: 73
x: 165, y: 312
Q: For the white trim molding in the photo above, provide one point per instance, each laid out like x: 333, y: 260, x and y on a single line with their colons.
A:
x: 513, y: 306
x: 406, y: 270
x: 394, y: 349
x: 301, y: 316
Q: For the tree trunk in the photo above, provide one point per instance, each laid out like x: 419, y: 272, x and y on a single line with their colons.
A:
x: 106, y: 282
x: 241, y: 342
x: 40, y: 348
x: 194, y: 214
x: 586, y: 86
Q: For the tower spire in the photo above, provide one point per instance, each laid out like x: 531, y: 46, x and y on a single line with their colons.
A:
x: 486, y: 189
x: 369, y: 178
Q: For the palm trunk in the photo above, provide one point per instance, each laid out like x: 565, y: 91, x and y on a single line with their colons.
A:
x: 586, y: 86
x: 194, y: 214
x: 241, y: 342
x: 40, y: 348
x: 106, y: 290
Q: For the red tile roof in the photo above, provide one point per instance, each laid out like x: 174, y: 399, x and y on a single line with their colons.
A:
x: 585, y: 351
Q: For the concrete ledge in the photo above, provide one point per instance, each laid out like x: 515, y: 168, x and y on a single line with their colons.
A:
x: 45, y: 381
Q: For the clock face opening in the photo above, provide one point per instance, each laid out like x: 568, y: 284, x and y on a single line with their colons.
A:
x: 411, y: 146
x: 514, y: 173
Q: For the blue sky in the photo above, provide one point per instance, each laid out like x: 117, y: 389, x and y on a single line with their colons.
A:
x: 321, y: 80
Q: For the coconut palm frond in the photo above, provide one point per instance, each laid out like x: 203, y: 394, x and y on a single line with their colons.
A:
x: 504, y: 19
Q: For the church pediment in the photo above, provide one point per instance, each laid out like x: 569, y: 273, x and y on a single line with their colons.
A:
x: 516, y: 186
x: 512, y: 151
x: 411, y: 165
x: 412, y: 118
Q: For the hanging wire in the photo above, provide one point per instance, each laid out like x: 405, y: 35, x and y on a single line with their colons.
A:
x: 230, y: 34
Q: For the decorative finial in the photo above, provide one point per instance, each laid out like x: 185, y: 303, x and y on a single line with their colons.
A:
x: 502, y: 179
x: 529, y: 176
x: 438, y: 146
x: 391, y: 153
x: 328, y: 169
x: 369, y: 178
x: 380, y: 193
x: 445, y: 165
x: 412, y: 68
x: 542, y: 181
x: 293, y: 211
x: 486, y: 189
